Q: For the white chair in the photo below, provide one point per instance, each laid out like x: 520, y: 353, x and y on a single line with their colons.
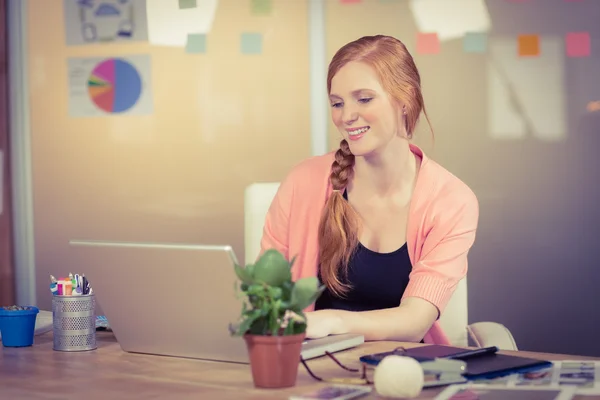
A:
x: 454, y: 320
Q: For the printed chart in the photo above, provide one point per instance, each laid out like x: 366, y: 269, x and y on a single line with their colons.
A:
x: 109, y: 86
x: 104, y: 21
x: 115, y: 85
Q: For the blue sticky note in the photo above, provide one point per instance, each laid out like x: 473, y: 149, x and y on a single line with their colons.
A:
x: 475, y: 42
x: 251, y: 43
x: 196, y: 43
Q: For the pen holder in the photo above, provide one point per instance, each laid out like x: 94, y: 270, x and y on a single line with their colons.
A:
x: 74, y: 322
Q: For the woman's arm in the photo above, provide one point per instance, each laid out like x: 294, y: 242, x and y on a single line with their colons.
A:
x: 408, y: 322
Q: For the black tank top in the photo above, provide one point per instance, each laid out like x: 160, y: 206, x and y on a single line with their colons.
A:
x: 378, y: 280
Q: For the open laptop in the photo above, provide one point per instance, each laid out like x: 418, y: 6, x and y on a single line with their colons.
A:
x: 174, y: 299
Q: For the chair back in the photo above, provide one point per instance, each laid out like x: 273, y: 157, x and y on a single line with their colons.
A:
x: 455, y: 318
x: 257, y: 200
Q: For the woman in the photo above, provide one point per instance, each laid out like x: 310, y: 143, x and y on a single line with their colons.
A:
x: 386, y: 229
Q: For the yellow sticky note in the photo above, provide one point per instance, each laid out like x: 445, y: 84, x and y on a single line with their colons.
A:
x: 529, y: 45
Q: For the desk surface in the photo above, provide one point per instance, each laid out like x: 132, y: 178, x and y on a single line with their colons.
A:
x: 39, y: 372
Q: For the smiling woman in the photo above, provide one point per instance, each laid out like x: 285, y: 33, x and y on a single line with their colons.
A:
x: 385, y: 228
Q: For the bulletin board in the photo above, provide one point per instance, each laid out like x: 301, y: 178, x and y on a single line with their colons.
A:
x: 149, y: 128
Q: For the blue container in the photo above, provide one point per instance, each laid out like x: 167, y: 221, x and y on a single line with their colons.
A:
x: 18, y: 327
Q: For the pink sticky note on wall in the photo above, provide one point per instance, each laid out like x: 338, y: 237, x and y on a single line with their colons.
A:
x: 428, y: 43
x: 578, y: 44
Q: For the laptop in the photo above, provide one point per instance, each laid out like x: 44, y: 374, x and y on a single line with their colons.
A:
x: 174, y: 299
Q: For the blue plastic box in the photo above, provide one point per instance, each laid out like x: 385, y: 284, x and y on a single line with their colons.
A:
x: 18, y: 327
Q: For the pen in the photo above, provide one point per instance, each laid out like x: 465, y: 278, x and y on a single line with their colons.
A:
x: 84, y: 284
x: 472, y: 353
x: 68, y: 288
x: 60, y: 287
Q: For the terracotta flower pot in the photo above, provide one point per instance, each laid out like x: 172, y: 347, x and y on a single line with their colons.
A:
x: 274, y: 360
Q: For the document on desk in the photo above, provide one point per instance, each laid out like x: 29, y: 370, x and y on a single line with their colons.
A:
x: 584, y: 375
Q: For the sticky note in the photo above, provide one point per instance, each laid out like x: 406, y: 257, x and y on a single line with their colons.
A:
x: 196, y: 43
x: 428, y: 43
x: 251, y: 43
x: 591, y: 107
x: 350, y: 1
x: 261, y: 7
x: 183, y: 4
x: 475, y: 42
x: 529, y: 45
x: 578, y: 44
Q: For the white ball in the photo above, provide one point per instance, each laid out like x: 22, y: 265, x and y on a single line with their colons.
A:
x: 399, y: 377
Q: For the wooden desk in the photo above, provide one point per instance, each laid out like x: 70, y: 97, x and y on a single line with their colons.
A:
x: 39, y: 372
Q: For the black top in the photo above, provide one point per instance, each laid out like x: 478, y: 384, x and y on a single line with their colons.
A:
x: 378, y: 281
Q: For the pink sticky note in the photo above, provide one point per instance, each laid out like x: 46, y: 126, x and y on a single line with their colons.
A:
x: 428, y: 43
x: 578, y: 44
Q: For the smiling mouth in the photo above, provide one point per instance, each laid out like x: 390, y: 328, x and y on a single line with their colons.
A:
x: 359, y: 131
x: 356, y: 134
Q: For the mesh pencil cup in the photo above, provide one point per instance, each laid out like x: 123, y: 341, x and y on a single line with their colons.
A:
x: 74, y: 322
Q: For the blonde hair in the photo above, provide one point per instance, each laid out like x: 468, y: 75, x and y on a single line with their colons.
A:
x: 339, y: 225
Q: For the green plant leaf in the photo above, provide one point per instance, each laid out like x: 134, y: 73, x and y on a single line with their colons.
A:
x: 305, y: 292
x: 272, y: 269
x: 250, y: 316
x: 243, y: 274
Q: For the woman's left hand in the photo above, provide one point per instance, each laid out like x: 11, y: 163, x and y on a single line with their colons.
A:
x: 323, y: 323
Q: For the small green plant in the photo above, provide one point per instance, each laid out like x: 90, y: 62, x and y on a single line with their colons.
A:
x: 273, y: 302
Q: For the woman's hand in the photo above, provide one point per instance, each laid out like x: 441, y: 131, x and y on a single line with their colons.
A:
x: 324, y: 323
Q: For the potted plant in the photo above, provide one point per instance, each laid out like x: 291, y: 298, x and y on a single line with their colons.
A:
x: 17, y: 325
x: 272, y: 320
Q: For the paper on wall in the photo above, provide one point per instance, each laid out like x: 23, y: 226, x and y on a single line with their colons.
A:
x: 450, y: 19
x: 168, y: 25
x: 104, y: 21
x: 526, y: 94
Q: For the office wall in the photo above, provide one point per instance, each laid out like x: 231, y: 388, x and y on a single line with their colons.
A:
x: 534, y: 264
x: 220, y: 121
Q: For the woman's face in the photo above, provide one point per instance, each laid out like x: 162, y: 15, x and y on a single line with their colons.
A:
x: 362, y: 111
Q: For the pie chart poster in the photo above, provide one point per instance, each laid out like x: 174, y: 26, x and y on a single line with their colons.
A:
x: 109, y: 86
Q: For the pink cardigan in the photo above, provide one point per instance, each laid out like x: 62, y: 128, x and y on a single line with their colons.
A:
x: 442, y: 223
